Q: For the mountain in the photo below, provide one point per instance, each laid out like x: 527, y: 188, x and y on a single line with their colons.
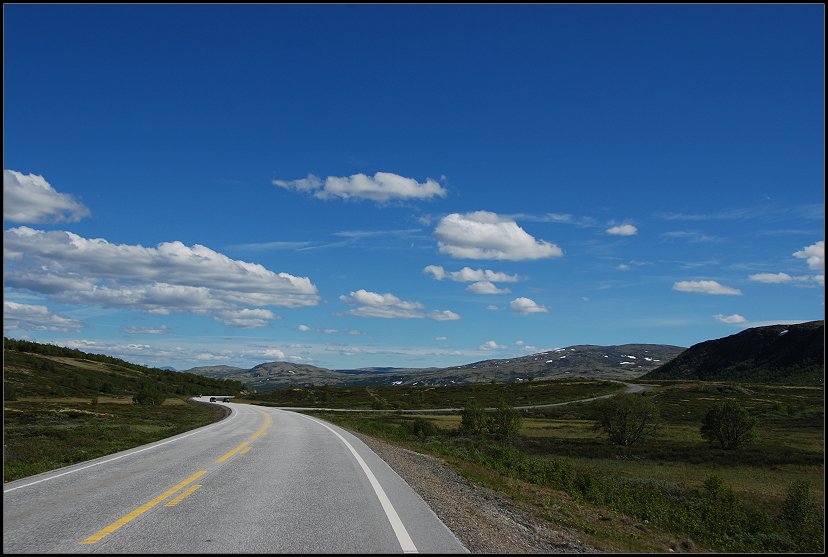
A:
x: 777, y: 354
x: 627, y: 361
x: 219, y: 372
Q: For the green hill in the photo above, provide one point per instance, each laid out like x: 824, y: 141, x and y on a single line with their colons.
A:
x: 776, y: 354
x: 33, y: 370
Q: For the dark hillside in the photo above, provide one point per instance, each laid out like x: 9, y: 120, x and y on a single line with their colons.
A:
x: 31, y: 369
x: 776, y: 354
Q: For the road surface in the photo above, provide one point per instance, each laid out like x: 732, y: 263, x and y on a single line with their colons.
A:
x: 262, y: 480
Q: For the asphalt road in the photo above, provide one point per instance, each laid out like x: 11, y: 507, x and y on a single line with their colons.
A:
x: 262, y: 480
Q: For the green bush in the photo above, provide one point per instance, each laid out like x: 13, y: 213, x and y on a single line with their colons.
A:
x: 729, y: 425
x: 472, y: 418
x: 149, y: 396
x: 626, y: 418
x: 505, y: 420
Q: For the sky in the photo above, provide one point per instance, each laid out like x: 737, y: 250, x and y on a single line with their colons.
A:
x: 351, y: 186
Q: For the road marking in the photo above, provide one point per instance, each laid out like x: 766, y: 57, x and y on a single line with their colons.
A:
x: 399, y: 529
x: 140, y: 510
x: 183, y: 496
x: 246, y: 449
x: 234, y: 451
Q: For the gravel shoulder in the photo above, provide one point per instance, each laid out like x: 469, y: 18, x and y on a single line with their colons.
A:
x: 482, y: 520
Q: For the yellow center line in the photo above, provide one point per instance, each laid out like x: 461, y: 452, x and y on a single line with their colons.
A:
x: 181, y: 497
x: 234, y: 451
x: 140, y: 510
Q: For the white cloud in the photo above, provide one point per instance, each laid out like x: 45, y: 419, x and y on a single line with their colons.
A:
x: 525, y: 306
x: 383, y: 187
x: 382, y: 305
x: 162, y: 330
x: 467, y: 274
x: 389, y: 306
x: 705, y: 287
x: 485, y: 235
x: 444, y: 315
x: 18, y: 317
x: 735, y: 318
x: 440, y: 338
x: 623, y: 230
x: 246, y: 318
x: 171, y: 278
x: 771, y: 278
x: 486, y: 287
x: 491, y: 345
x: 814, y: 255
x: 31, y: 199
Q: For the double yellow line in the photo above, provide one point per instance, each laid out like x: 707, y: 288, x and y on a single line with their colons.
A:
x: 142, y: 509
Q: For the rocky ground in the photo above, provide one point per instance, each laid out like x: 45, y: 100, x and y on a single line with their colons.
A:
x: 481, y: 519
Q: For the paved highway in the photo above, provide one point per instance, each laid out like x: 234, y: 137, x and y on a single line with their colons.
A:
x: 262, y: 480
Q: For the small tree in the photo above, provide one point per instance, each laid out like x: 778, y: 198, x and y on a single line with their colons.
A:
x: 149, y: 396
x: 472, y: 418
x: 626, y: 418
x: 505, y: 420
x: 729, y: 425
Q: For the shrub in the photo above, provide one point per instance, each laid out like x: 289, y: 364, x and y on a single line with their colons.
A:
x: 626, y: 418
x: 149, y: 396
x: 729, y: 425
x: 505, y: 420
x: 472, y: 418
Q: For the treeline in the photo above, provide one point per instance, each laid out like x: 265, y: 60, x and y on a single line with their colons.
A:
x: 58, y: 379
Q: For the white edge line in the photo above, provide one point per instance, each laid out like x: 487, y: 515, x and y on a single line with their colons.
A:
x: 130, y: 453
x: 399, y: 529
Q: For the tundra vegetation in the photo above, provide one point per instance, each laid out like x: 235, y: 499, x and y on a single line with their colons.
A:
x: 669, y: 490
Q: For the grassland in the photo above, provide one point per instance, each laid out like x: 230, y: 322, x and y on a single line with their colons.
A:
x: 43, y: 435
x: 675, y: 487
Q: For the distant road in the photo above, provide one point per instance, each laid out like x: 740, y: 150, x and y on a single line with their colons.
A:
x: 262, y: 480
x: 630, y: 388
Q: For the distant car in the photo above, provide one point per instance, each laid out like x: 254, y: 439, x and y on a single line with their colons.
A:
x: 226, y: 400
x: 198, y: 395
x: 212, y: 399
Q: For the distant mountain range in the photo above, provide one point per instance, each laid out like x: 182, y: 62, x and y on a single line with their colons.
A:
x: 777, y: 354
x: 627, y: 361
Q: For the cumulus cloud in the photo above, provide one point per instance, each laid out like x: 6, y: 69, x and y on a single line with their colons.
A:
x: 705, y: 287
x: 444, y: 315
x: 623, y: 230
x: 382, y: 187
x: 382, y: 305
x: 771, y: 278
x: 486, y: 287
x: 467, y: 274
x: 171, y: 278
x: 27, y: 317
x: 485, y: 235
x: 735, y: 318
x: 814, y: 255
x: 491, y: 345
x: 525, y: 306
x: 31, y: 199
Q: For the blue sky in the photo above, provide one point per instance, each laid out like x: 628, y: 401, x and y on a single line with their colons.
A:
x: 409, y: 185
